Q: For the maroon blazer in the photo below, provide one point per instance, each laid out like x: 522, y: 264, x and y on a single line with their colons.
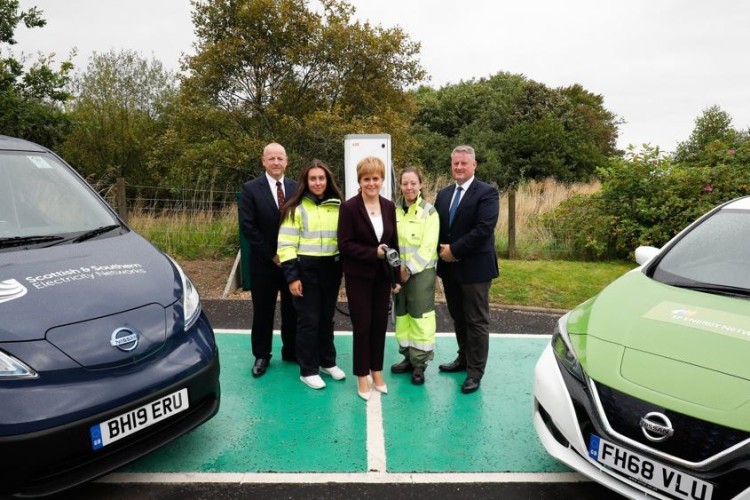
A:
x: 357, y: 241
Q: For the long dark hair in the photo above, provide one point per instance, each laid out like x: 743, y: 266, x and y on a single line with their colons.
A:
x: 332, y: 189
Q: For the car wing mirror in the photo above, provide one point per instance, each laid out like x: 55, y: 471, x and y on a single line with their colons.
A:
x: 645, y: 254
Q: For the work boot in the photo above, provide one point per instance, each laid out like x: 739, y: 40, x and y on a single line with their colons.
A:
x: 417, y: 376
x: 403, y: 367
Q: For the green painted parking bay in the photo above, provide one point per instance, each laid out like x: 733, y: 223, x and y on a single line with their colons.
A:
x: 276, y: 424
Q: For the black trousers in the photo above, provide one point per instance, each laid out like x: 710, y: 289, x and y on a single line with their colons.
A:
x: 469, y: 307
x: 321, y: 280
x: 265, y: 288
x: 368, y: 306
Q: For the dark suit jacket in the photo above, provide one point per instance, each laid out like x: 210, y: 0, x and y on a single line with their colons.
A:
x: 357, y: 241
x: 472, y: 234
x: 259, y: 220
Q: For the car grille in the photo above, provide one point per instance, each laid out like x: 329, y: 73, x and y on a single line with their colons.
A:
x: 731, y: 476
x: 694, y: 440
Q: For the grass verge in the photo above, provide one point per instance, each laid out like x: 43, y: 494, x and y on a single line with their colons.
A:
x: 553, y: 283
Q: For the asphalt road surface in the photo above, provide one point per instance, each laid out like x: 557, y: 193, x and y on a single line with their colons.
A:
x: 235, y: 316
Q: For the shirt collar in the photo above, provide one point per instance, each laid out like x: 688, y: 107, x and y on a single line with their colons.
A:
x: 465, y: 185
x: 272, y: 181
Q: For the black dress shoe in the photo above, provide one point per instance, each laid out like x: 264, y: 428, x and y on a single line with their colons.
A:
x: 289, y: 357
x: 454, y: 366
x: 260, y: 367
x: 470, y: 385
x: 417, y: 376
x: 403, y: 367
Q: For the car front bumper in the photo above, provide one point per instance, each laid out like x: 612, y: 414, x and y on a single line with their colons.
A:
x: 50, y: 460
x: 558, y: 426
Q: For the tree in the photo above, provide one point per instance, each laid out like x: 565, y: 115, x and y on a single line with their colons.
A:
x: 520, y: 128
x: 711, y: 139
x: 274, y: 70
x: 30, y: 99
x: 121, y: 105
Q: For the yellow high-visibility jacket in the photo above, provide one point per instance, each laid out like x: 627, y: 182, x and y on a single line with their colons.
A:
x: 418, y: 235
x: 311, y: 232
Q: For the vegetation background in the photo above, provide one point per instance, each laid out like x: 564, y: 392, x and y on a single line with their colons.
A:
x: 276, y: 70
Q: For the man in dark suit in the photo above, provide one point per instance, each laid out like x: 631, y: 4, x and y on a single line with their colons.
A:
x: 468, y: 212
x: 260, y: 206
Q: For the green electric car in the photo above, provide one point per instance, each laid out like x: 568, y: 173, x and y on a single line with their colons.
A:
x: 645, y: 388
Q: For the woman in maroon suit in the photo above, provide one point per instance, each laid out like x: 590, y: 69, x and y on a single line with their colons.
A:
x: 367, y: 226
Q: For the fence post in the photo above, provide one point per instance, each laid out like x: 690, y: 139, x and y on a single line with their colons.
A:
x: 511, y: 224
x: 122, y: 200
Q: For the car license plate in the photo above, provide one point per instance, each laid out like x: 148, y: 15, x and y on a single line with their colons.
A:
x: 138, y: 419
x: 648, y: 472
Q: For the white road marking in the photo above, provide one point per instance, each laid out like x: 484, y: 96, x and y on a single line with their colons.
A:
x: 354, y: 477
x: 348, y: 333
x: 376, y: 456
x: 375, y: 434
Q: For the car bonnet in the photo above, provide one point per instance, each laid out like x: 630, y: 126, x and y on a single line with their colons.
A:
x: 663, y: 342
x: 44, y: 288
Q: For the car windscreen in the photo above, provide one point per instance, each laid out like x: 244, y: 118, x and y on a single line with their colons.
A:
x: 715, y: 252
x: 40, y: 197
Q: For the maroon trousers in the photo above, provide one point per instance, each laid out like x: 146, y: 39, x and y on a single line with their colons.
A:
x: 368, y: 306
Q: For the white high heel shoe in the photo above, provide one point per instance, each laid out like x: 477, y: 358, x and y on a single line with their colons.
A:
x: 363, y: 395
x: 383, y: 389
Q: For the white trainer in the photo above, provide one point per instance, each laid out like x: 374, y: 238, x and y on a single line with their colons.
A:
x: 335, y: 372
x: 313, y: 381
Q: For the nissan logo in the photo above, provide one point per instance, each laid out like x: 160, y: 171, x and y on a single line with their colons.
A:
x: 124, y: 339
x: 656, y: 427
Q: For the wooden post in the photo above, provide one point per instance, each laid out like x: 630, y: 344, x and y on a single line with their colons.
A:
x: 511, y: 224
x: 122, y: 200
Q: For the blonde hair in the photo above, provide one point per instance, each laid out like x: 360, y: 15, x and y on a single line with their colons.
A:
x: 370, y: 165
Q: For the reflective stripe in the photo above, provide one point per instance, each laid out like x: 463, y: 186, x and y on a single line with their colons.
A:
x: 318, y: 234
x: 303, y: 215
x: 422, y: 346
x: 428, y: 208
x: 311, y: 232
x: 424, y: 264
x: 418, y: 230
x: 331, y: 202
x: 317, y: 249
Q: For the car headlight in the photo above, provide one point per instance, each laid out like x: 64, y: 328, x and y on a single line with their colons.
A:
x: 11, y: 368
x: 564, y: 350
x: 191, y: 301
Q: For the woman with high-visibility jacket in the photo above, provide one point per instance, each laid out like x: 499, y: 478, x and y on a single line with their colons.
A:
x: 418, y: 233
x: 309, y: 255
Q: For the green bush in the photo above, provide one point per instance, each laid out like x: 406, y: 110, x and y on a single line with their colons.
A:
x: 581, y: 226
x: 645, y: 200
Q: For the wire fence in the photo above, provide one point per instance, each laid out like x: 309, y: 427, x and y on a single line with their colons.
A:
x: 203, y: 224
x: 193, y: 224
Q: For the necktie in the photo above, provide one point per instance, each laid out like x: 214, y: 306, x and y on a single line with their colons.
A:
x: 279, y: 195
x: 454, y: 205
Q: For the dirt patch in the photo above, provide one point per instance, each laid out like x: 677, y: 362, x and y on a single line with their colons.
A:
x: 211, y: 276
